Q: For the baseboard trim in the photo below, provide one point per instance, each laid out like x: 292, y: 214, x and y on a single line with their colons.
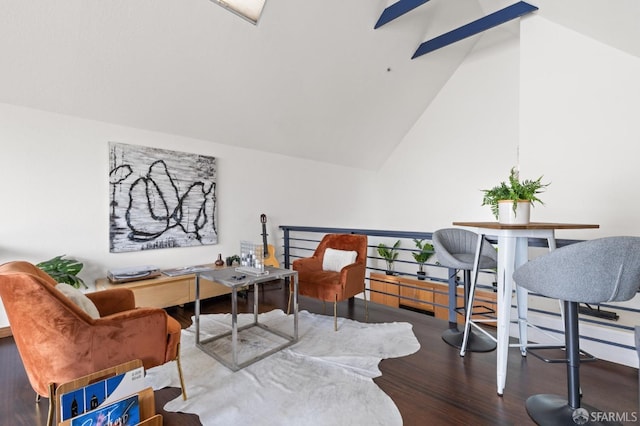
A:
x: 5, y: 332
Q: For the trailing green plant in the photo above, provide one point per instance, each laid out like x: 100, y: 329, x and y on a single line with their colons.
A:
x: 426, y: 251
x: 516, y: 190
x: 63, y: 270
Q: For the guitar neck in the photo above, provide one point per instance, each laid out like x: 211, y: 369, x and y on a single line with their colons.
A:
x: 265, y: 247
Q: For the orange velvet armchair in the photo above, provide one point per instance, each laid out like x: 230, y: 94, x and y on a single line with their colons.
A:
x: 59, y: 342
x: 314, y: 280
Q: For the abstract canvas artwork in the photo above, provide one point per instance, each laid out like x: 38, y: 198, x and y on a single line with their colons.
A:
x: 160, y: 198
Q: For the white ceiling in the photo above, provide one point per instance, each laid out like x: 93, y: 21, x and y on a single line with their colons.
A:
x: 313, y: 79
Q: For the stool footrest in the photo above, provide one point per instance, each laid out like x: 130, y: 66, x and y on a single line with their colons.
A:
x: 584, y: 356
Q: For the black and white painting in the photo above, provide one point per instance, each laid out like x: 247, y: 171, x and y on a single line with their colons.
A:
x: 160, y: 198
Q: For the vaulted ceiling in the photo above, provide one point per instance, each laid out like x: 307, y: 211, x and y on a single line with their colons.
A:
x: 312, y: 80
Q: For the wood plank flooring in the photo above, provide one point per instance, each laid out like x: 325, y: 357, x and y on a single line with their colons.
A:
x: 432, y: 386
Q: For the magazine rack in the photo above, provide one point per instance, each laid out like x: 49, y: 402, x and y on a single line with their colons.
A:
x: 145, y: 397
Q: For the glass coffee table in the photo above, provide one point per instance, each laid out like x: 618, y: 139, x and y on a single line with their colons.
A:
x: 245, y: 344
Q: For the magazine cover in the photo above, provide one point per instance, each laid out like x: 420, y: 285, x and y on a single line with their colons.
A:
x: 125, y: 412
x: 101, y: 392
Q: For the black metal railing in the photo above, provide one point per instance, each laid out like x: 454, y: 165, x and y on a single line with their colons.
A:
x: 301, y: 241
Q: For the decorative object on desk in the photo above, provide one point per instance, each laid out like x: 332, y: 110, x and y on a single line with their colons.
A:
x: 63, y: 270
x: 426, y: 251
x: 233, y: 259
x: 345, y: 362
x: 219, y: 262
x: 251, y: 258
x: 389, y: 254
x: 160, y: 199
x: 510, y: 202
x: 268, y: 251
x: 132, y: 273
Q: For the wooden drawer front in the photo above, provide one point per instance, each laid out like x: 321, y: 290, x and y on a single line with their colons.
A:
x: 420, y: 290
x: 441, y: 297
x: 162, y: 295
x: 207, y: 289
x: 387, y: 284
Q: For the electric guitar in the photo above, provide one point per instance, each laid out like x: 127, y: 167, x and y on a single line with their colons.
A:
x: 269, y: 250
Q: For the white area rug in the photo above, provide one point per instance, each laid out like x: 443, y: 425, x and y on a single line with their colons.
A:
x: 324, y: 379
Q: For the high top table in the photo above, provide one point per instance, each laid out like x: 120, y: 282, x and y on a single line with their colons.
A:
x: 512, y: 252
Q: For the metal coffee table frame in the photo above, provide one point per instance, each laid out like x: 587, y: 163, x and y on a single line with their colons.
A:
x: 238, y: 281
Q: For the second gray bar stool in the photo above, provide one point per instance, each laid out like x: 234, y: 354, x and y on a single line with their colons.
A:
x: 455, y: 249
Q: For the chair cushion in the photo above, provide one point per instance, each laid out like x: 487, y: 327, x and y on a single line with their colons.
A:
x: 335, y: 260
x: 323, y: 285
x: 77, y: 297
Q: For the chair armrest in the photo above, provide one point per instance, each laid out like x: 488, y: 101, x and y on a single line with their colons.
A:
x: 138, y: 333
x: 352, y: 277
x: 307, y: 264
x: 113, y: 300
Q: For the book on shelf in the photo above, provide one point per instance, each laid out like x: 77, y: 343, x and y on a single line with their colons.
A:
x: 101, y: 393
x: 124, y: 412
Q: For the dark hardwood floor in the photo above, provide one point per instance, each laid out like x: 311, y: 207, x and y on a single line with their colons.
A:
x: 432, y: 386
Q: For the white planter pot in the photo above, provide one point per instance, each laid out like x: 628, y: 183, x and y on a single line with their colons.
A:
x: 506, y: 214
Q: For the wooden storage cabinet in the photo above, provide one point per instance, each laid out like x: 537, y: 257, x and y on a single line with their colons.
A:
x: 427, y: 294
x: 164, y: 291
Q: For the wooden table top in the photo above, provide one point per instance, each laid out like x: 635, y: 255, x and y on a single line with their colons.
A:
x: 530, y: 225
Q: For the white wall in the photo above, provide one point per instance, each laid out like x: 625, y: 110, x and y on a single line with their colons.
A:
x: 579, y: 126
x: 55, y: 192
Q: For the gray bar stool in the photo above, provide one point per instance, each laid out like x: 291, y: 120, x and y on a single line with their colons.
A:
x: 596, y: 271
x: 456, y: 250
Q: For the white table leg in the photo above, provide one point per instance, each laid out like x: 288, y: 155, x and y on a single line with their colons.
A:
x: 506, y: 258
x: 522, y: 257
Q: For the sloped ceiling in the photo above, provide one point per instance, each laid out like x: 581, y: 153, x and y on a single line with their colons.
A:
x: 312, y: 80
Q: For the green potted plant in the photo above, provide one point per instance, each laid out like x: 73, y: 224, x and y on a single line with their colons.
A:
x: 421, y: 257
x: 63, y: 270
x: 389, y: 254
x: 510, y: 202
